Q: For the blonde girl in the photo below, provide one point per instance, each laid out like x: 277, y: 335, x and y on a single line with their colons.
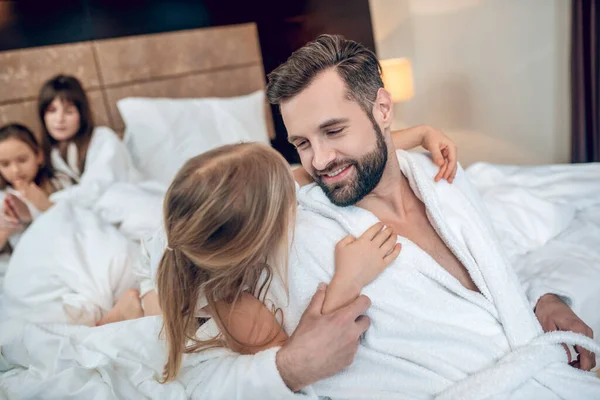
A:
x: 228, y: 217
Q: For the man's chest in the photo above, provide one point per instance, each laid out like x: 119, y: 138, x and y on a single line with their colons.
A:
x: 418, y: 229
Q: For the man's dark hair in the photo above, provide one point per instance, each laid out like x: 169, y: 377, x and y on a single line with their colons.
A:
x: 357, y: 65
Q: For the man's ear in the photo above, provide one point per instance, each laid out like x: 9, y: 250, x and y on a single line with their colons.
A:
x: 383, y: 109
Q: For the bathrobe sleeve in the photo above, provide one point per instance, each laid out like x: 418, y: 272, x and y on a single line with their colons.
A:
x: 230, y: 376
x: 219, y: 373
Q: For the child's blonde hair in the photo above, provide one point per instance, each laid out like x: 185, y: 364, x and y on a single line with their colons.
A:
x: 228, y: 215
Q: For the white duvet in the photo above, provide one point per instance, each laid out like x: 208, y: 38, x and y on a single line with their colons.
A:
x: 548, y: 220
x: 72, y: 265
x: 78, y: 257
x: 556, y: 209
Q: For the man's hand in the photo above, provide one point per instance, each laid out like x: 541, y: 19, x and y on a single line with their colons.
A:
x: 555, y: 315
x: 322, y: 345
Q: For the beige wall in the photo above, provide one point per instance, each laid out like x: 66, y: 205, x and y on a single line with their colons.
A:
x: 493, y: 74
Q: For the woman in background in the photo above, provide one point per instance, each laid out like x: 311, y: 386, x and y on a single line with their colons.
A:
x: 92, y: 157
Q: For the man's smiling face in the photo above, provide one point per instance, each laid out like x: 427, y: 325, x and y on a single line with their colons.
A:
x: 339, y: 145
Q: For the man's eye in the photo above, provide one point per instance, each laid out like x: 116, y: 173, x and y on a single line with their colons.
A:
x: 335, y: 131
x: 301, y: 144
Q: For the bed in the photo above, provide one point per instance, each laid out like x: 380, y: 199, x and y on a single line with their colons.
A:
x: 172, y: 95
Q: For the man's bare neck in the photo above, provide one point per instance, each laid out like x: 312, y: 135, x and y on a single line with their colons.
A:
x: 392, y: 196
x: 394, y: 203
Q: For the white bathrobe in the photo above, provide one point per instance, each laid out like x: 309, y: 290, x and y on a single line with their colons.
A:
x: 107, y: 161
x: 430, y: 337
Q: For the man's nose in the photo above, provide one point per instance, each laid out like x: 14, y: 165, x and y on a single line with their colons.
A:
x: 323, y: 155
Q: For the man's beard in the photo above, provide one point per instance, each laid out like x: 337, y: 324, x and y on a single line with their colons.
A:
x: 369, y: 170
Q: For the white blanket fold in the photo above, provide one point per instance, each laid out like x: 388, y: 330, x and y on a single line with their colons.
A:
x: 114, y: 361
x: 70, y: 267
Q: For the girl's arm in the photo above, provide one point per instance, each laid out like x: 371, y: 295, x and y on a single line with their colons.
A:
x: 36, y: 195
x: 409, y: 138
x: 302, y: 177
x: 442, y: 149
x: 358, y: 262
x: 253, y: 327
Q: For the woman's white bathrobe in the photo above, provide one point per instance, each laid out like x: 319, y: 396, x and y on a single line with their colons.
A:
x: 107, y: 162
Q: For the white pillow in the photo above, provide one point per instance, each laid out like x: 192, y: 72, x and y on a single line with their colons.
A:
x: 162, y: 134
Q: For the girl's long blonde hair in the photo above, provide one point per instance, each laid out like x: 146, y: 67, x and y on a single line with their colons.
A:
x: 227, y: 214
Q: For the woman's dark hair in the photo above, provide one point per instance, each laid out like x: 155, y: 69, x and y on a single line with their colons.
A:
x: 68, y: 89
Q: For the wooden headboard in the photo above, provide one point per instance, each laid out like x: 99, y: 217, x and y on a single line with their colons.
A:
x: 208, y: 62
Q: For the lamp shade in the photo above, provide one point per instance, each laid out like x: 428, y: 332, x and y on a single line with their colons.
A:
x: 397, y: 78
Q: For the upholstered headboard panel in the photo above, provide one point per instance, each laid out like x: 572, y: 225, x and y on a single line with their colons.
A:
x: 209, y: 62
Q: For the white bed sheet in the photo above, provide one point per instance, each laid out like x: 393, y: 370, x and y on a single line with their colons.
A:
x: 558, y: 226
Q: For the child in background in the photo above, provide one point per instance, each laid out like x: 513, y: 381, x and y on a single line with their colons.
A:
x: 26, y: 181
x: 92, y: 157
